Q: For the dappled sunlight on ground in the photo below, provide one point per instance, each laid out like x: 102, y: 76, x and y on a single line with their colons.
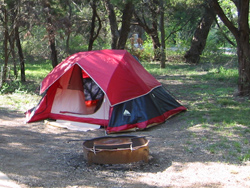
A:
x: 196, y: 174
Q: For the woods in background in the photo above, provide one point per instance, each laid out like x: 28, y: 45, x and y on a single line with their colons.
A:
x: 55, y: 29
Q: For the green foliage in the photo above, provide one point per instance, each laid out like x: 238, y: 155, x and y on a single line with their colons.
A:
x: 245, y: 157
x: 217, y: 43
x: 77, y: 44
x: 14, y: 86
x: 148, y: 50
x: 230, y: 10
x: 182, y: 18
x: 145, y: 53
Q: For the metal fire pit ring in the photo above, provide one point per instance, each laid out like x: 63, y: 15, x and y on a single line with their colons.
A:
x: 116, y: 149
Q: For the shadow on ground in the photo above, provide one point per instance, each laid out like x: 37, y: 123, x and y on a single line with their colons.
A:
x: 40, y: 156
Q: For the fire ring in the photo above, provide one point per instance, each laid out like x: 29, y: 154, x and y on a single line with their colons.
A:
x: 116, y: 149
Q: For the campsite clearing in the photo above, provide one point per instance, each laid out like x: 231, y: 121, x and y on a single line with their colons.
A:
x: 35, y: 155
x: 207, y: 146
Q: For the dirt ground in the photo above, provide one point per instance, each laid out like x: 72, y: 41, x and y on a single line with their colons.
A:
x: 35, y: 155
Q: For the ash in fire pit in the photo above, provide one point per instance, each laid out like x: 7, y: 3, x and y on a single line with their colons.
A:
x: 116, y: 149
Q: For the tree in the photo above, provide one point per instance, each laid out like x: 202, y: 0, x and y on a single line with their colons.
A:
x: 16, y: 22
x: 119, y: 37
x: 241, y: 34
x: 20, y: 53
x: 200, y: 36
x: 94, y: 35
x: 51, y: 30
x: 162, y: 29
x: 10, y: 22
x: 147, y: 18
x: 13, y: 18
x: 67, y: 23
x: 5, y: 44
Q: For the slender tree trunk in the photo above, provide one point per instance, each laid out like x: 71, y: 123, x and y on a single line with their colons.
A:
x: 119, y: 38
x: 92, y: 30
x: 13, y: 18
x: 200, y: 36
x: 53, y: 53
x: 126, y: 18
x: 12, y: 48
x: 68, y: 30
x: 52, y: 42
x: 113, y: 24
x: 162, y: 29
x: 67, y: 40
x: 51, y: 34
x: 93, y: 36
x: 156, y: 42
x: 20, y: 54
x: 5, y: 44
x: 14, y: 37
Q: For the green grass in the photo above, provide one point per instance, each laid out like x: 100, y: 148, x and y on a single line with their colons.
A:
x: 17, y: 95
x: 37, y: 70
x: 208, y: 90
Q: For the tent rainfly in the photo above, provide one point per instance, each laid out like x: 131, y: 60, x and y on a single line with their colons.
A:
x: 109, y: 88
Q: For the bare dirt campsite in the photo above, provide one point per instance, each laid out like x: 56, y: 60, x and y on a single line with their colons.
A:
x: 35, y: 155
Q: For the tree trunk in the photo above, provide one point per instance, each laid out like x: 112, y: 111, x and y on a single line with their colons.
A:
x: 113, y: 24
x: 53, y: 52
x: 51, y: 34
x: 200, y: 36
x: 12, y: 48
x: 14, y: 22
x: 67, y: 40
x: 241, y: 35
x: 20, y: 54
x: 126, y: 18
x: 68, y: 28
x: 151, y: 31
x: 15, y: 39
x: 5, y: 44
x: 156, y: 43
x: 162, y: 29
x: 243, y: 48
x: 93, y: 36
x: 119, y: 38
x: 244, y: 66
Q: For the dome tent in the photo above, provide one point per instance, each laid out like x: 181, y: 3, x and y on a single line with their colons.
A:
x: 105, y: 87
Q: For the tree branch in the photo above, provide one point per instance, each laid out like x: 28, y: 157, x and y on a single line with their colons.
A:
x: 175, y: 31
x: 224, y: 35
x: 224, y: 19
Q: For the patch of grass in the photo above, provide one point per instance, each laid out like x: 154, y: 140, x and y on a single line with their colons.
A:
x: 226, y: 102
x: 208, y: 91
x: 37, y: 70
x: 18, y: 95
x: 246, y: 141
x: 237, y: 146
x: 245, y: 157
x: 222, y: 74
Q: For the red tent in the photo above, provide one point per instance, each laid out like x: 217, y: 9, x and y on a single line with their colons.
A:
x: 92, y: 86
